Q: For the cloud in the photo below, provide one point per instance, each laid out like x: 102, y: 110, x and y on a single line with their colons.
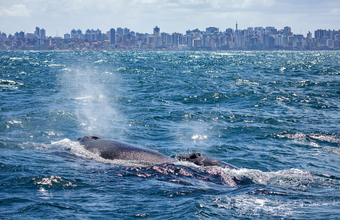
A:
x: 170, y: 15
x: 335, y: 11
x: 18, y: 10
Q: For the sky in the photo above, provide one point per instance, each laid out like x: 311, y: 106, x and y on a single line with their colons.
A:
x: 58, y: 17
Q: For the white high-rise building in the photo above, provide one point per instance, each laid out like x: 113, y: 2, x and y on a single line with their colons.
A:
x: 330, y: 43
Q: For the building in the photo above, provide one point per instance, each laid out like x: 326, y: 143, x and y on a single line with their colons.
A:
x: 37, y: 32
x: 157, y: 40
x: 67, y: 36
x: 287, y: 30
x: 74, y: 34
x: 126, y: 31
x: 112, y: 36
x: 156, y: 31
x: 120, y: 31
x: 212, y: 29
x: 318, y: 34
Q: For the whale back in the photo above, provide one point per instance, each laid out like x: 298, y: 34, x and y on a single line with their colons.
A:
x: 112, y: 149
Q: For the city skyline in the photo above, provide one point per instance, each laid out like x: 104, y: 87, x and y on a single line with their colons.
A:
x: 212, y: 38
x: 172, y: 15
x: 152, y: 31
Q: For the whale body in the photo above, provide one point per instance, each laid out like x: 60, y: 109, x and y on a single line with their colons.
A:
x: 112, y: 149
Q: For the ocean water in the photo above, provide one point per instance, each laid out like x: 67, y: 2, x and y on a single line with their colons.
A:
x: 273, y: 114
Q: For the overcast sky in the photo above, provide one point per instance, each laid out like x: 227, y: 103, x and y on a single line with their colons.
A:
x: 170, y: 15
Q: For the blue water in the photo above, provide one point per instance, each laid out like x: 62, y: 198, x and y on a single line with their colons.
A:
x: 273, y: 114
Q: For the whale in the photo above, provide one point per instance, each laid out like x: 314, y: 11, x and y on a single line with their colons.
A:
x: 112, y: 149
x: 117, y: 150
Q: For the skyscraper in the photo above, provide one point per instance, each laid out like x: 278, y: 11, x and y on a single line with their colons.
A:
x: 37, y: 31
x: 112, y: 36
x: 21, y: 35
x: 318, y: 34
x: 287, y: 30
x: 74, y: 34
x: 126, y: 31
x: 156, y: 31
x: 120, y: 31
x: 157, y: 41
x: 42, y: 33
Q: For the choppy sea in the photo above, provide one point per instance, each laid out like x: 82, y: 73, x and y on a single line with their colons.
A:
x: 275, y: 115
